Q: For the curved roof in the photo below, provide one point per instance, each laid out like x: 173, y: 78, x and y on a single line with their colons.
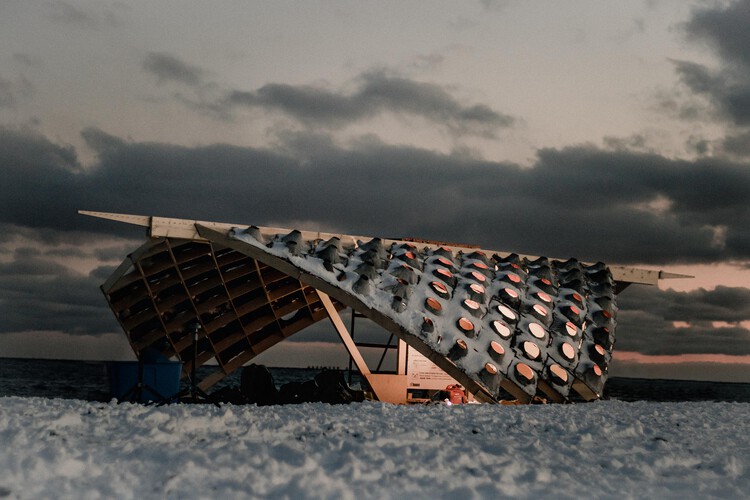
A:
x: 497, y: 322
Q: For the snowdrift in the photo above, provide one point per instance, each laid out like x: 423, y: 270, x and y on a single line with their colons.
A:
x: 76, y: 449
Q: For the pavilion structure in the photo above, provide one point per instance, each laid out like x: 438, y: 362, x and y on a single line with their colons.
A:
x: 505, y: 326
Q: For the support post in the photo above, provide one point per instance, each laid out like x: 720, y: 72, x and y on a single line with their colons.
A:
x: 387, y: 388
x: 345, y: 337
x: 401, y: 363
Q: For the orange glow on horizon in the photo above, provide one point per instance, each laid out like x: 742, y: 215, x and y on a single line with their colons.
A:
x: 637, y: 357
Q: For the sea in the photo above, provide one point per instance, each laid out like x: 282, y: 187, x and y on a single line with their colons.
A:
x: 89, y: 380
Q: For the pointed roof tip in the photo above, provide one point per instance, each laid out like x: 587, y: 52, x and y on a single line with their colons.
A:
x: 184, y: 228
x: 137, y: 220
x: 663, y: 275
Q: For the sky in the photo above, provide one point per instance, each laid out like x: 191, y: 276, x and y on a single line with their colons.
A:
x: 603, y: 130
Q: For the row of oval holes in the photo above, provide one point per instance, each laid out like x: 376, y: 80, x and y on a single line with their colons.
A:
x: 531, y: 350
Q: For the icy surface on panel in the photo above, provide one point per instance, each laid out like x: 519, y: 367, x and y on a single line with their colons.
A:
x: 545, y: 325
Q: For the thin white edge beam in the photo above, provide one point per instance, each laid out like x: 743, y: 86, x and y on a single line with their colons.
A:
x: 187, y: 229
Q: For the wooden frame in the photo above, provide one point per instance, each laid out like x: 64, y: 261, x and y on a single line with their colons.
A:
x: 247, y: 299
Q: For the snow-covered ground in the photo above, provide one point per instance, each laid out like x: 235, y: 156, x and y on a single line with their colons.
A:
x: 54, y: 448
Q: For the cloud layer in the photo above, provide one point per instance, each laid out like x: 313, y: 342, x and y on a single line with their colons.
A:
x: 617, y: 206
x: 168, y: 68
x: 656, y: 322
x: 619, y: 202
x: 726, y: 87
x: 376, y: 92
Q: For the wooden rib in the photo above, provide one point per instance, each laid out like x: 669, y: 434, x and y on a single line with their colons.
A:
x: 166, y: 304
x: 230, y: 257
x: 165, y: 284
x: 211, y: 380
x: 233, y: 338
x: 549, y: 391
x: 259, y: 323
x: 125, y: 281
x: 212, y: 303
x: 129, y: 300
x: 238, y: 272
x: 191, y: 311
x: 290, y: 307
x: 251, y: 306
x: 147, y: 339
x: 206, y: 265
x: 298, y: 325
x: 284, y: 290
x: 244, y: 287
x: 236, y: 363
x: 584, y: 390
x: 152, y: 268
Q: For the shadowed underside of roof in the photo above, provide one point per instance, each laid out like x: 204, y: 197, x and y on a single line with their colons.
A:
x: 498, y: 323
x: 169, y: 285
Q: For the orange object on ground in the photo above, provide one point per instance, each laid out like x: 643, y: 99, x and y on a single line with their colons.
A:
x: 456, y: 393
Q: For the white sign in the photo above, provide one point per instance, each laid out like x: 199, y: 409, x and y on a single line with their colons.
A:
x: 421, y: 373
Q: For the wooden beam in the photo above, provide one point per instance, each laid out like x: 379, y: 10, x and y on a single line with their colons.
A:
x: 136, y: 220
x: 401, y: 363
x: 190, y: 229
x: 346, y: 338
x: 642, y: 276
x: 387, y: 388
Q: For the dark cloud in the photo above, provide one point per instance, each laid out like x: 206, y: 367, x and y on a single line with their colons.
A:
x: 67, y: 13
x: 7, y: 99
x: 647, y: 314
x: 51, y: 236
x: 100, y: 141
x: 424, y: 62
x: 91, y: 18
x: 25, y: 151
x: 726, y: 30
x: 39, y: 179
x: 728, y: 93
x: 738, y: 145
x: 41, y: 295
x: 308, y: 104
x: 682, y: 103
x: 616, y: 206
x: 698, y: 77
x: 168, y: 68
x: 698, y: 145
x: 729, y: 304
x: 612, y: 205
x: 12, y: 91
x: 637, y: 142
x: 102, y: 273
x: 376, y: 92
x: 114, y: 253
x: 67, y: 252
x: 39, y: 292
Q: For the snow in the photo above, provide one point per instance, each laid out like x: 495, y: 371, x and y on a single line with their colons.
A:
x: 54, y: 448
